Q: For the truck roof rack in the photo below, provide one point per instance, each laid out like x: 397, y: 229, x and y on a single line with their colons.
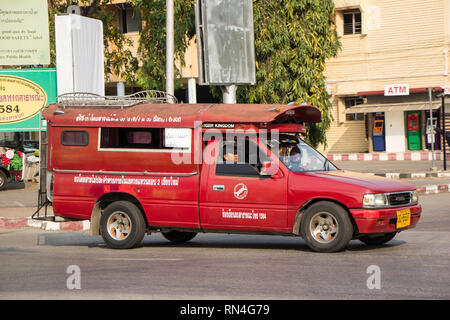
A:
x: 83, y: 99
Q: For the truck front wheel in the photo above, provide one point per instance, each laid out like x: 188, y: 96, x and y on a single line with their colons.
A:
x: 326, y: 227
x: 122, y: 225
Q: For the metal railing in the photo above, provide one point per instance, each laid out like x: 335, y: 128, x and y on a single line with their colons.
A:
x: 83, y: 99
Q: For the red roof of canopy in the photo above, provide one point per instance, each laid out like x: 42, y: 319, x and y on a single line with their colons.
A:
x: 178, y: 115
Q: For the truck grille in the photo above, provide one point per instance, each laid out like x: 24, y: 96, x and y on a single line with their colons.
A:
x: 398, y: 199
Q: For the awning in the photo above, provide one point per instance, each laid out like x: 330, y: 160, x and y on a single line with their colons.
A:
x: 406, y: 106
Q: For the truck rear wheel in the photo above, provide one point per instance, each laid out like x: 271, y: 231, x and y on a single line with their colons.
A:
x: 326, y: 227
x: 179, y: 236
x: 122, y: 225
x: 373, y: 241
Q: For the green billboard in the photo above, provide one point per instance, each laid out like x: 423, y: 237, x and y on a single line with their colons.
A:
x: 23, y: 95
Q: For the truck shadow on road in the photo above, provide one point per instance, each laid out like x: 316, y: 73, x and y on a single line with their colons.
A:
x: 77, y: 239
x: 15, y: 185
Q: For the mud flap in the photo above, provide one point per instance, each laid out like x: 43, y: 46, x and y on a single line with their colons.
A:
x: 95, y: 220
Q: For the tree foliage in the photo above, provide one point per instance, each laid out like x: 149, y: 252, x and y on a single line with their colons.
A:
x: 119, y: 59
x: 293, y: 40
x: 152, y: 44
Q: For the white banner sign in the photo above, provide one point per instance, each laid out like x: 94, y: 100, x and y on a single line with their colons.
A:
x: 177, y: 138
x: 24, y: 34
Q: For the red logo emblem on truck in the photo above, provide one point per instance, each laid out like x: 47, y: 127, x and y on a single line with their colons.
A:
x: 240, y: 191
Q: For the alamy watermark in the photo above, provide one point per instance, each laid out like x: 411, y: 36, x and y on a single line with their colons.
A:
x: 374, y: 280
x: 73, y: 282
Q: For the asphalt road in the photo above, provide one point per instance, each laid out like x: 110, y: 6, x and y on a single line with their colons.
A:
x: 37, y: 264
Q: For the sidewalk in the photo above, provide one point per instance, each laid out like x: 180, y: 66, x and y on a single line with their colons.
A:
x: 22, y: 200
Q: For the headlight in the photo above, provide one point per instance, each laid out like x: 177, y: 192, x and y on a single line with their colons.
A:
x: 372, y: 200
x: 414, y: 197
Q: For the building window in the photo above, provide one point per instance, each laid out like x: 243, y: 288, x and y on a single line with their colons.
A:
x: 351, y: 102
x: 129, y: 20
x: 352, y: 22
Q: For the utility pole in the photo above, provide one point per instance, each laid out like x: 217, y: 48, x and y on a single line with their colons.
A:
x: 443, y: 132
x: 229, y: 93
x: 431, y: 132
x: 445, y: 92
x: 169, y: 49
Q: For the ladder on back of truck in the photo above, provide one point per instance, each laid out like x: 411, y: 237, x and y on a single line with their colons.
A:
x: 43, y: 202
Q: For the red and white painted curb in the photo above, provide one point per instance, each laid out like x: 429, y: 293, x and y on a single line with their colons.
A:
x: 434, y: 189
x: 9, y: 222
x: 398, y: 156
x: 414, y: 175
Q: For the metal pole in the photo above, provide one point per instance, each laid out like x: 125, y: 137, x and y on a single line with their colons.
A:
x: 229, y: 93
x: 443, y: 131
x: 431, y: 133
x: 120, y: 89
x: 169, y: 48
x: 192, y: 94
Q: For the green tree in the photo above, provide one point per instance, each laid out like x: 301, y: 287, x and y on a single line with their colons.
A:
x: 152, y: 44
x: 118, y: 59
x: 293, y: 40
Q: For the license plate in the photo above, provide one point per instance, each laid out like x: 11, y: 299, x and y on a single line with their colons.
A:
x: 403, y: 218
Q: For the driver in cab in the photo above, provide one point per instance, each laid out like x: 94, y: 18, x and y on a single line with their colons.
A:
x: 295, y: 160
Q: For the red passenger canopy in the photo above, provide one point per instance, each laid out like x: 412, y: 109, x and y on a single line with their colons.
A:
x: 181, y: 115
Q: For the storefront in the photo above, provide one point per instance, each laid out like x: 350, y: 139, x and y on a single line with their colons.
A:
x: 401, y: 123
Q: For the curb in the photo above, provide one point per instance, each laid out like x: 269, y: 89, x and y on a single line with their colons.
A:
x: 415, y: 175
x: 397, y: 156
x: 441, y: 188
x: 8, y: 222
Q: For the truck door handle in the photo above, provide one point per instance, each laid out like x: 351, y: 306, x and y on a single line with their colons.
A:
x: 218, y: 187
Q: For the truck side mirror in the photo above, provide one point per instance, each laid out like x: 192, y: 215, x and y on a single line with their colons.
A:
x: 270, y: 168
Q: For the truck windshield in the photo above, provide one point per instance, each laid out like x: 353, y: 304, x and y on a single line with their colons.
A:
x: 297, y: 155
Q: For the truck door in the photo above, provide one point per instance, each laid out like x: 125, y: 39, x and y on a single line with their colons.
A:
x: 235, y: 196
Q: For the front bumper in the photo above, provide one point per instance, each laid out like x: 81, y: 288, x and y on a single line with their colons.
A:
x: 383, y: 220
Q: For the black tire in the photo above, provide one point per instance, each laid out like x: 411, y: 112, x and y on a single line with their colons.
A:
x: 178, y: 236
x: 3, y: 180
x: 122, y: 225
x: 326, y: 227
x: 373, y: 241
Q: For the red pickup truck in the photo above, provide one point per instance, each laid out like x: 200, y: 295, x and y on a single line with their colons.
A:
x: 184, y: 169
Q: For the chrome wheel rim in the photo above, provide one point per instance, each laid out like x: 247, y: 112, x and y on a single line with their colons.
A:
x: 119, y: 225
x: 323, y: 227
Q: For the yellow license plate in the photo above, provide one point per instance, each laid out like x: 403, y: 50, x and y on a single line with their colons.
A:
x: 403, y: 218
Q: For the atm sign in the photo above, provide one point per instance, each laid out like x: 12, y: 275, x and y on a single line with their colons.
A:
x: 396, y: 90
